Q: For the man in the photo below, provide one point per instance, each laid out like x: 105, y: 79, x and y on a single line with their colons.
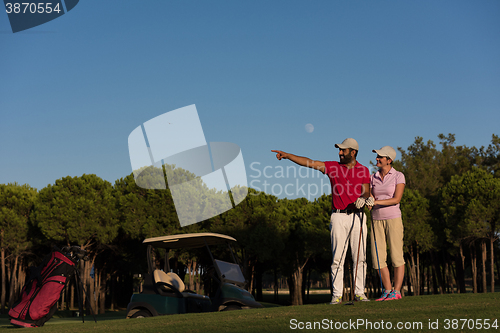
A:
x: 350, y: 182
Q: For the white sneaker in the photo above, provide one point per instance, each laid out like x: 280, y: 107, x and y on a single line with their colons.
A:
x: 336, y: 300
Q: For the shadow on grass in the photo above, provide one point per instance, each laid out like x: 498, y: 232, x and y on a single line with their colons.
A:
x: 284, y: 298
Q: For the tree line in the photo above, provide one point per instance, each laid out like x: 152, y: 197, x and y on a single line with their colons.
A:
x: 450, y: 209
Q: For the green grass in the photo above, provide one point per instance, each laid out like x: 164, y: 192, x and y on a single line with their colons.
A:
x: 418, y: 309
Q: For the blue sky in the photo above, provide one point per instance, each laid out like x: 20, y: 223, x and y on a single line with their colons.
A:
x: 383, y: 72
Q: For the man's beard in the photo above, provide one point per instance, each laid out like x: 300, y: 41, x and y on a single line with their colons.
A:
x: 346, y: 159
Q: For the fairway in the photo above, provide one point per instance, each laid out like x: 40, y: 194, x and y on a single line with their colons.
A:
x: 437, y: 313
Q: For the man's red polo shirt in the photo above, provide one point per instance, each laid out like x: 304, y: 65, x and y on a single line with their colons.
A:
x: 347, y: 184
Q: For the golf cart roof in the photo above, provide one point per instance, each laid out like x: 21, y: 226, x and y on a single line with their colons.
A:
x: 188, y: 240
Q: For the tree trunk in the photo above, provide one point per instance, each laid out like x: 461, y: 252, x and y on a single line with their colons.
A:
x: 473, y: 266
x: 461, y: 270
x: 102, y: 293
x: 295, y: 284
x: 88, y: 284
x: 192, y: 282
x: 94, y: 281
x: 4, y: 280
x: 451, y: 275
x: 483, y: 257
x: 435, y: 286
x: 447, y: 281
x: 408, y: 282
x: 21, y: 278
x: 450, y: 280
x: 192, y: 267
x: 91, y: 285
x: 9, y: 272
x: 423, y: 280
x: 455, y: 275
x: 428, y: 279
x: 81, y: 295
x: 369, y: 283
x: 72, y: 296
x: 63, y: 300
x: 251, y: 278
x: 418, y: 280
x: 112, y: 291
x: 492, y: 262
x: 308, y: 282
x: 330, y: 281
x: 97, y: 289
x: 276, y: 286
x: 413, y: 273
x: 411, y: 269
x: 13, y: 281
x: 197, y: 280
x: 437, y: 277
x: 258, y: 283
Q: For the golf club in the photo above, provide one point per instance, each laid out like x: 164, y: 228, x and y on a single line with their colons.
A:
x: 376, y: 251
x: 357, y: 258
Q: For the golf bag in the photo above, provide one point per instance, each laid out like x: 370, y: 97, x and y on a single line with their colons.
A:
x: 44, y: 287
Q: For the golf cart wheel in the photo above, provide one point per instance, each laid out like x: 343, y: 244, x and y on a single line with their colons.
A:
x: 141, y: 314
x: 232, y: 307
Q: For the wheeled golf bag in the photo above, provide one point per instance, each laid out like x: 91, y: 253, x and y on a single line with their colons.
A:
x: 39, y: 296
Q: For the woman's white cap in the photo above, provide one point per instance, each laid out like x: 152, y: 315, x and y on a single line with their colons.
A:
x: 387, y: 151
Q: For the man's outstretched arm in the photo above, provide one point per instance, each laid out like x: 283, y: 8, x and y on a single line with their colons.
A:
x: 302, y: 161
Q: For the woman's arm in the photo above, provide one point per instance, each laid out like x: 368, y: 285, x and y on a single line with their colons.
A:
x: 398, y: 194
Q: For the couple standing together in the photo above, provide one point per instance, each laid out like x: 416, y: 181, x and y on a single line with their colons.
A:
x: 352, y: 189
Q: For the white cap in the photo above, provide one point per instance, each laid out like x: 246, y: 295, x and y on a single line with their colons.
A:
x: 348, y: 143
x: 387, y: 151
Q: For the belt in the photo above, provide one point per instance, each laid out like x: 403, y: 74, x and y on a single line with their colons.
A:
x: 346, y: 211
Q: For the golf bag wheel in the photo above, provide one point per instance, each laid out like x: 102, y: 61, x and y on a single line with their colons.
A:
x: 141, y: 314
x: 232, y: 307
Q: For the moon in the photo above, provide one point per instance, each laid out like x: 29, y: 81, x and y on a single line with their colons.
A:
x: 309, y: 128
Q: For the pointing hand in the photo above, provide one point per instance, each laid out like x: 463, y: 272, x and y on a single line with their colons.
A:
x: 280, y: 154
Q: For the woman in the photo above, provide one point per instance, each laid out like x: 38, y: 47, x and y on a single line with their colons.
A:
x: 387, y: 187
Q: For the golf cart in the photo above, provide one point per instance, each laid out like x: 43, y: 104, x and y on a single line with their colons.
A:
x: 164, y: 291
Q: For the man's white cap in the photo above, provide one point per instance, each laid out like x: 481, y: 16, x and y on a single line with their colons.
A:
x: 348, y: 143
x: 387, y: 151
